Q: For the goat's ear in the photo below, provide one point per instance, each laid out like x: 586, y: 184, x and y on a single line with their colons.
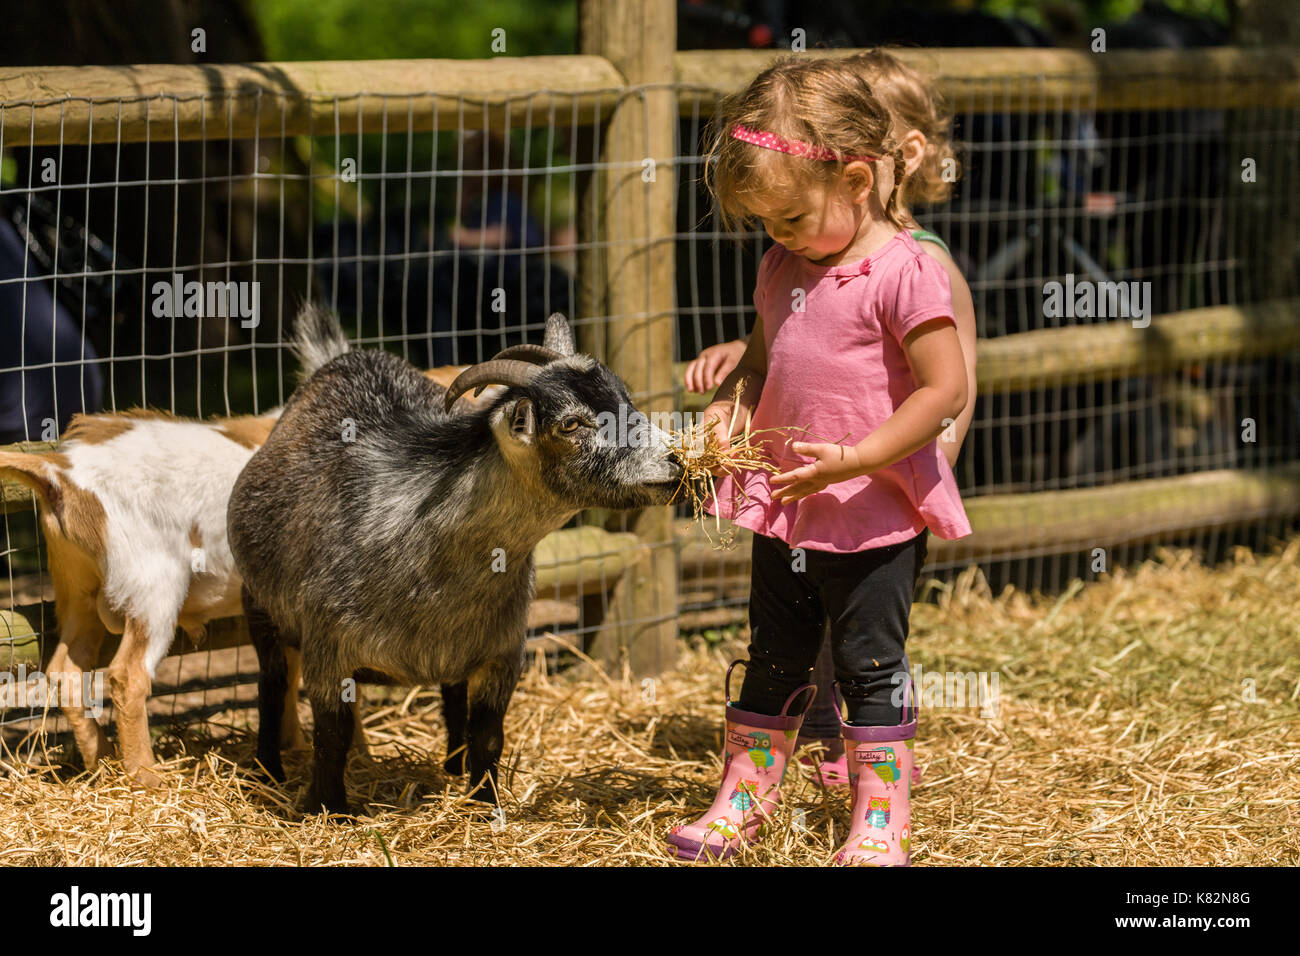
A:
x: 516, y: 421
x: 558, y: 335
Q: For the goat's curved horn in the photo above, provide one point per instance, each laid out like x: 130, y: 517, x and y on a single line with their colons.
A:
x: 538, y: 354
x: 491, y: 372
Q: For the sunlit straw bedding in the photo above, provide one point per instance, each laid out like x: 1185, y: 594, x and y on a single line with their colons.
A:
x: 1124, y: 735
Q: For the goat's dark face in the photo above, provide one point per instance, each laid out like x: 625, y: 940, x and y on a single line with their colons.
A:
x: 576, y: 431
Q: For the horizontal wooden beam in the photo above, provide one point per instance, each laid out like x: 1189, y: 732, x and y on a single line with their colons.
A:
x: 1116, y: 349
x: 571, y: 563
x: 584, y: 560
x: 1126, y: 513
x: 162, y: 103
x: 1055, y: 522
x: 1016, y: 80
x: 19, y: 641
x: 166, y: 102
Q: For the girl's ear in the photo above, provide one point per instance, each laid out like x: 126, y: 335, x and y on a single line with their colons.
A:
x: 860, y: 180
x: 913, y: 145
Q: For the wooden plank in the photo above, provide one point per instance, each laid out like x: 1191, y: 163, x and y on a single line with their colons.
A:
x: 1061, y: 521
x: 19, y: 642
x: 998, y: 79
x: 584, y: 560
x: 15, y: 496
x: 47, y: 105
x: 1110, y: 350
x: 1124, y: 513
x: 1116, y: 349
x: 162, y: 102
x: 634, y: 291
x: 571, y: 563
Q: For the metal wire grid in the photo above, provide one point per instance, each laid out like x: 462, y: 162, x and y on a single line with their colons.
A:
x: 1148, y: 196
x: 277, y: 211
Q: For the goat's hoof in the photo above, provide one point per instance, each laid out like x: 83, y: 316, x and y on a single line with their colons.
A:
x: 455, y: 764
x: 95, y: 750
x: 268, y: 772
x: 338, y: 812
x: 297, y: 742
x: 484, y: 809
x: 142, y: 778
x: 313, y: 803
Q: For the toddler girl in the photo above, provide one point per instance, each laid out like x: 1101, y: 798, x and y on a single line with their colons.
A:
x: 855, y: 340
x: 922, y: 127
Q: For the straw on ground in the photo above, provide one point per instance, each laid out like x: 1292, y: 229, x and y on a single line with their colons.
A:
x: 1149, y: 718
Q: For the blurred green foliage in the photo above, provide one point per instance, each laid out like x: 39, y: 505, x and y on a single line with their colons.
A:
x: 413, y: 29
x: 1095, y: 12
x: 410, y: 29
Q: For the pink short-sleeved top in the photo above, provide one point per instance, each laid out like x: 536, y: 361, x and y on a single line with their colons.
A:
x: 837, y: 367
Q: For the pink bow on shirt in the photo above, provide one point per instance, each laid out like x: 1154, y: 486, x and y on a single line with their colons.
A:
x: 864, y: 269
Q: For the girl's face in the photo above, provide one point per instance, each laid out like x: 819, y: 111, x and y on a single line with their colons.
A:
x: 822, y: 220
x: 819, y: 222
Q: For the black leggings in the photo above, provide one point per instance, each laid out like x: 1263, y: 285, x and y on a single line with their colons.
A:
x: 867, y: 598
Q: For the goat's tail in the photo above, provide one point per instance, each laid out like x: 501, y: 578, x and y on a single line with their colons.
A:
x: 317, y: 339
x: 34, y: 472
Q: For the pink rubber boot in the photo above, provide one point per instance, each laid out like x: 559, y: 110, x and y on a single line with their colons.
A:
x: 758, y: 749
x: 827, y: 772
x: 833, y: 772
x: 880, y: 770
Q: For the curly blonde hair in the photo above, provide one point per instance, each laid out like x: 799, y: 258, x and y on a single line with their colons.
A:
x: 824, y: 101
x: 914, y: 103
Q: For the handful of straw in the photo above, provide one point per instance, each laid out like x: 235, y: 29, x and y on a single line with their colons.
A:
x: 699, y: 452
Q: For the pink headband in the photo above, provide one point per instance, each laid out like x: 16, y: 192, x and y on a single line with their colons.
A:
x: 794, y: 147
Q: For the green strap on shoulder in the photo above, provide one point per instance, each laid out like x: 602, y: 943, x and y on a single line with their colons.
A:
x: 925, y: 235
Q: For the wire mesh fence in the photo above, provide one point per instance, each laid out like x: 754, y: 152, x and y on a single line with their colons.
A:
x: 154, y: 249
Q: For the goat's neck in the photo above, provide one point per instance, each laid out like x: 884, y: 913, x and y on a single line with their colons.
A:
x: 488, y: 499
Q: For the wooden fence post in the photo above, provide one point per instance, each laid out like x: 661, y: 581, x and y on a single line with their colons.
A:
x: 627, y: 289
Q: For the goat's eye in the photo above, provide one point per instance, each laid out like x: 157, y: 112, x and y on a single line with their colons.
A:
x: 570, y: 425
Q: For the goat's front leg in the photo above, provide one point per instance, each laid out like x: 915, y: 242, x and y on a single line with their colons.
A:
x: 333, y: 736
x: 128, y: 678
x: 489, y: 692
x: 455, y: 714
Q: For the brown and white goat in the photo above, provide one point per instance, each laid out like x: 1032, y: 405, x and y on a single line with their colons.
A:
x: 133, y: 510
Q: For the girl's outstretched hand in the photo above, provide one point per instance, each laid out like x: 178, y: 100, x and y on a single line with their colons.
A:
x: 710, y: 367
x: 834, y: 463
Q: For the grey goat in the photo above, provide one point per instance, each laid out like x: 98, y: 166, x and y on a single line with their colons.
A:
x: 392, y: 540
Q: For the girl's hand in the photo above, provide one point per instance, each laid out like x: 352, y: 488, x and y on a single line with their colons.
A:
x: 711, y: 366
x: 722, y: 412
x: 834, y: 463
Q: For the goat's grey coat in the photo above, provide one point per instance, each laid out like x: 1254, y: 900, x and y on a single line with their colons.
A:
x: 372, y: 528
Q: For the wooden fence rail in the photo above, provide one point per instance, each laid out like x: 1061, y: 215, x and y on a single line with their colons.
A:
x: 571, y: 564
x: 1092, y: 353
x: 49, y: 105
